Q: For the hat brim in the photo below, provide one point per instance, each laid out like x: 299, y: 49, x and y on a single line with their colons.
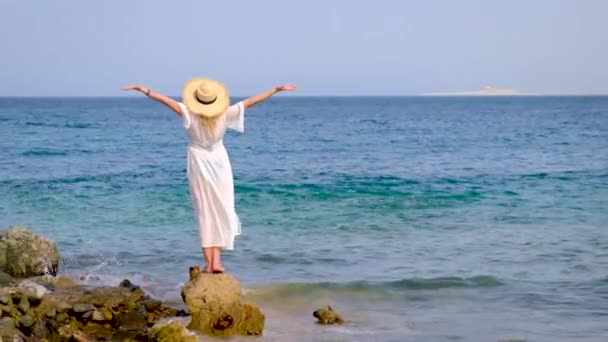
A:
x: 217, y: 108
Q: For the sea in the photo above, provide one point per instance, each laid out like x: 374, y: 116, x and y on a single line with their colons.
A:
x: 415, y: 218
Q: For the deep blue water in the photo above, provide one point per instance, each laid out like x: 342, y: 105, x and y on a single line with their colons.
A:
x: 419, y: 218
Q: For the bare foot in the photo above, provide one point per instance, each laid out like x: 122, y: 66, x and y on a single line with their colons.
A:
x: 207, y: 269
x: 217, y: 269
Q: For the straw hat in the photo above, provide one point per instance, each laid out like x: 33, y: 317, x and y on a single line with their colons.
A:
x: 206, y: 97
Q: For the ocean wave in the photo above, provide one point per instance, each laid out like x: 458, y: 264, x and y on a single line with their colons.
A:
x: 383, y: 193
x: 66, y: 125
x: 371, y: 288
x: 104, y: 180
x: 43, y: 152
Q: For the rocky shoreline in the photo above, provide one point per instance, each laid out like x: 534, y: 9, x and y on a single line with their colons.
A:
x: 38, y: 305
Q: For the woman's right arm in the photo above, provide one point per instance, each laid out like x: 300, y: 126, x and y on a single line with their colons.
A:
x: 167, y: 101
x: 261, y: 97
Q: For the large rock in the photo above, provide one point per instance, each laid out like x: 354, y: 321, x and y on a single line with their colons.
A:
x: 24, y: 254
x: 170, y: 331
x: 205, y: 288
x: 216, y: 308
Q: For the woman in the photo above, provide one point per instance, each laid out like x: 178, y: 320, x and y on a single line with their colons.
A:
x: 206, y: 114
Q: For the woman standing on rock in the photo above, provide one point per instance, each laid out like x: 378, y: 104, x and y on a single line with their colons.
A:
x: 206, y: 114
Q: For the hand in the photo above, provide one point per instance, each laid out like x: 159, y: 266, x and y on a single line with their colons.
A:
x: 286, y: 87
x: 133, y: 87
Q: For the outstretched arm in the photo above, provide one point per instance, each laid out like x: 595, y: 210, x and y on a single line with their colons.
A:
x: 261, y: 97
x: 167, y: 101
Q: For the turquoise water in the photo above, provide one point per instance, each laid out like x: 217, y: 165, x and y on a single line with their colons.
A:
x: 473, y: 219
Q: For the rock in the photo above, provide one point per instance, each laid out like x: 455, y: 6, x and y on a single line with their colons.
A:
x: 27, y: 321
x: 87, y: 315
x: 194, y: 272
x: 80, y: 313
x: 24, y: 254
x: 208, y: 287
x: 5, y: 297
x: 63, y: 306
x: 67, y: 332
x: 40, y: 330
x: 55, y: 283
x: 32, y: 290
x: 171, y: 332
x: 99, y: 331
x: 24, y: 304
x: 152, y: 305
x: 107, y: 313
x: 79, y: 336
x: 8, y: 331
x: 6, y: 280
x: 83, y: 307
x: 238, y: 318
x: 98, y: 316
x: 50, y: 313
x: 62, y: 317
x: 216, y: 308
x: 131, y: 320
x: 126, y: 283
x: 328, y: 316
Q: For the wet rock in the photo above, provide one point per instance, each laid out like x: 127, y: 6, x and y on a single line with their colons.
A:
x: 216, y: 308
x: 328, y: 316
x: 131, y: 321
x: 6, y: 280
x: 171, y: 332
x: 32, y: 290
x: 126, y: 283
x: 152, y: 305
x: 24, y: 254
x: 56, y: 283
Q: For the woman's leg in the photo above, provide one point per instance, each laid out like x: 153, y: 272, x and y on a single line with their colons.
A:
x: 208, y: 253
x: 216, y: 265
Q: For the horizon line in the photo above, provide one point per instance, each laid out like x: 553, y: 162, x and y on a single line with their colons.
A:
x: 333, y: 95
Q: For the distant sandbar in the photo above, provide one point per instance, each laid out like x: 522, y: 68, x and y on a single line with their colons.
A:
x: 487, y: 91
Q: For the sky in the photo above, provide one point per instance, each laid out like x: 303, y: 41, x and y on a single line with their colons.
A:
x: 326, y: 47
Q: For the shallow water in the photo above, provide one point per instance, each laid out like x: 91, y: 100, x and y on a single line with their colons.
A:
x: 475, y: 219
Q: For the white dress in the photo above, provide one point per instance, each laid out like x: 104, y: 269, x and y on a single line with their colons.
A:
x: 210, y: 177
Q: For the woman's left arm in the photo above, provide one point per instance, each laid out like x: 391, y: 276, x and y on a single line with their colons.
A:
x: 167, y: 101
x: 261, y: 97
